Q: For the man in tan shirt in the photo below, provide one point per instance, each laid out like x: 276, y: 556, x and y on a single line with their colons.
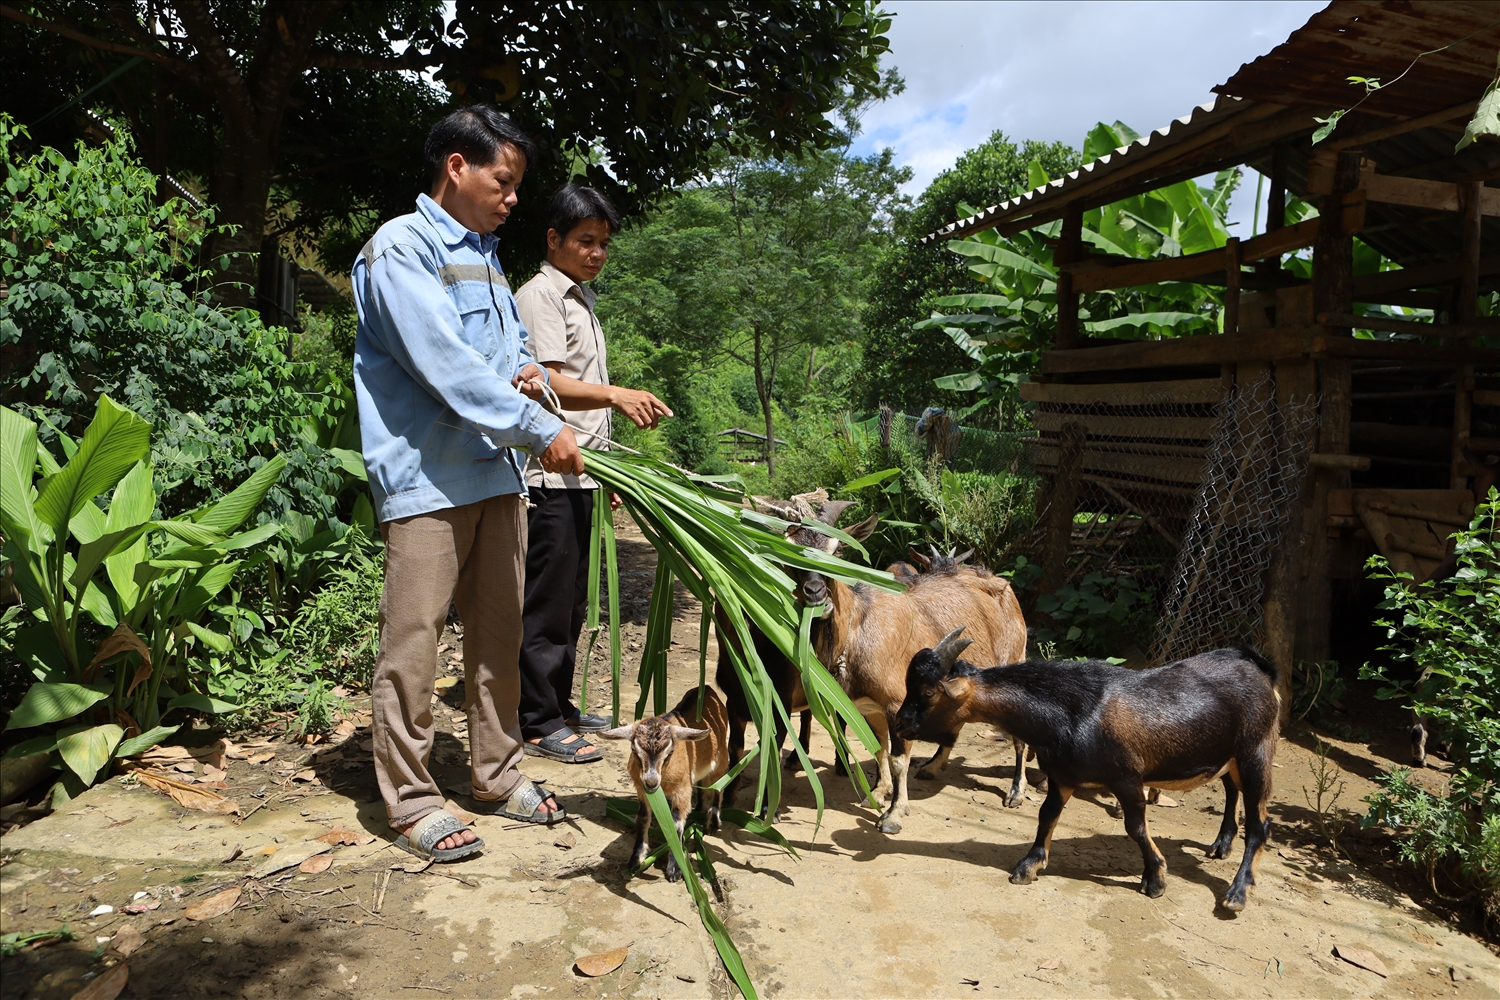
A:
x: 557, y: 308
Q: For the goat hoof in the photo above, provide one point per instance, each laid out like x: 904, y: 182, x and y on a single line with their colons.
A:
x: 1153, y: 889
x: 1233, y: 903
x: 1217, y: 851
x: 1014, y: 799
x: 926, y: 774
x: 890, y: 824
x: 793, y: 764
x: 1022, y: 876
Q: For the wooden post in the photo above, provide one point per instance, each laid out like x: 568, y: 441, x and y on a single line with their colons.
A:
x: 1332, y: 291
x: 1232, y: 285
x: 1468, y: 296
x: 1068, y: 251
x: 1275, y: 209
x: 1283, y: 581
x: 1061, y: 506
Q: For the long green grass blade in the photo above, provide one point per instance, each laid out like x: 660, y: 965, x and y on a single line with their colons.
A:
x: 728, y: 953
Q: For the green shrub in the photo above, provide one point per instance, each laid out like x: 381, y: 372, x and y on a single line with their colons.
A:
x: 107, y: 294
x: 1445, y: 633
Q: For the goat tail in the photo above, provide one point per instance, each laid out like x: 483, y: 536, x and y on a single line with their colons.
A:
x: 1254, y: 655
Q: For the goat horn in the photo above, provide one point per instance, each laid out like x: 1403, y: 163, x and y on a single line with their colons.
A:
x: 951, y: 646
x: 935, y: 553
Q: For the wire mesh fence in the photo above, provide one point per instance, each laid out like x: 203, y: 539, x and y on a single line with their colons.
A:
x: 1255, y: 466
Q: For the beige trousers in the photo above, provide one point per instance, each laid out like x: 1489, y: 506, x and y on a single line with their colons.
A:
x: 474, y: 556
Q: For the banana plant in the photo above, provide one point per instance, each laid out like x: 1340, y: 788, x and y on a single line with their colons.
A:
x: 115, y: 594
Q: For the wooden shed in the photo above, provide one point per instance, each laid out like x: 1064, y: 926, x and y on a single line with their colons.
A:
x: 1401, y: 416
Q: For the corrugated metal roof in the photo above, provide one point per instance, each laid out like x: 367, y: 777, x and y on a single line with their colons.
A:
x: 1282, y: 91
x: 1379, y: 40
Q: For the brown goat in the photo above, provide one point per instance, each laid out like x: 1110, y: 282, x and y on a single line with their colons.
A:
x: 674, y: 752
x: 867, y: 636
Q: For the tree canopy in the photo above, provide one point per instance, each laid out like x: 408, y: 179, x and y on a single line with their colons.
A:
x: 305, y: 121
x: 899, y: 365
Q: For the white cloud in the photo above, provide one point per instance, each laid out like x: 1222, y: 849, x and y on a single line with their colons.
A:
x: 1049, y: 71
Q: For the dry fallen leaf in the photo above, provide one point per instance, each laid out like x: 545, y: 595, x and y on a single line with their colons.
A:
x: 1363, y: 958
x: 187, y: 768
x: 211, y: 773
x: 341, y: 835
x: 444, y: 683
x: 161, y: 755
x: 368, y: 746
x: 1051, y: 963
x: 127, y: 939
x: 414, y: 866
x: 315, y: 864
x: 109, y: 985
x: 268, y: 850
x: 603, y: 963
x: 186, y: 795
x: 307, y: 774
x: 567, y: 842
x: 216, y: 905
x: 1166, y: 801
x: 289, y: 857
x: 345, y: 728
x: 262, y: 757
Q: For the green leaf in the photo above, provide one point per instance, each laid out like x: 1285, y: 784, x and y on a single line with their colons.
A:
x: 115, y: 440
x: 754, y: 824
x: 728, y: 953
x: 17, y: 465
x: 46, y: 703
x: 37, y: 744
x: 86, y: 750
x: 202, y: 703
x: 1486, y: 120
x: 873, y: 479
x: 211, y: 639
x: 1327, y: 125
x: 202, y: 589
x: 230, y: 511
x: 959, y: 383
x: 145, y: 741
x: 351, y: 462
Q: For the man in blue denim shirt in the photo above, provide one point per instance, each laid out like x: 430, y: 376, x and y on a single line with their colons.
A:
x: 439, y: 352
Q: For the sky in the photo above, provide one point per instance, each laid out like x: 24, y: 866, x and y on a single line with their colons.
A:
x: 1050, y: 71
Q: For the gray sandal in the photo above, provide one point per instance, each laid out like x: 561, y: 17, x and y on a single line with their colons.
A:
x: 432, y: 829
x: 522, y: 805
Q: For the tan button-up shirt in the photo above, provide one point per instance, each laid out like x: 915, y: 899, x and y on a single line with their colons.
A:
x: 559, y: 317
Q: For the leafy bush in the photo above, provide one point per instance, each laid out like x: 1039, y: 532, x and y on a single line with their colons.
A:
x: 117, y: 597
x: 1445, y: 633
x: 107, y: 294
x: 1098, y: 616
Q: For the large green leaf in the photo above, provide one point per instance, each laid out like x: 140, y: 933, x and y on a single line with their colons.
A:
x: 17, y: 464
x: 133, y: 502
x: 46, y: 703
x: 202, y: 703
x: 1486, y: 120
x: 351, y: 462
x: 213, y: 640
x: 86, y: 750
x: 204, y: 587
x: 145, y: 741
x: 230, y: 511
x: 116, y: 439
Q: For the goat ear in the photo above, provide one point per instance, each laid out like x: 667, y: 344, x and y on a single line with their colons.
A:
x: 688, y: 735
x: 865, y: 528
x: 958, y: 688
x: 622, y: 733
x: 829, y: 512
x: 923, y: 561
x: 950, y: 647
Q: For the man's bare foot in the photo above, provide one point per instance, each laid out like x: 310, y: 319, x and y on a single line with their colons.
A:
x: 464, y: 836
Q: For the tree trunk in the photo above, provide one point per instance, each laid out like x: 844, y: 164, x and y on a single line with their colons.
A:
x: 763, y: 393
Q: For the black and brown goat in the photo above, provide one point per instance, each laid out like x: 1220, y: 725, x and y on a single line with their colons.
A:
x: 1094, y: 725
x: 867, y: 636
x: 675, y: 752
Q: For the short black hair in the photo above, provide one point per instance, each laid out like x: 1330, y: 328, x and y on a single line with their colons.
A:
x: 476, y: 133
x: 572, y: 203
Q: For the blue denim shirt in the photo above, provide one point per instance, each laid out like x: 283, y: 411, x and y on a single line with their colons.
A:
x: 438, y: 341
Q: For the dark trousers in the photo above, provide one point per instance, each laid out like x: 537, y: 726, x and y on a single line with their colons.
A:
x: 557, y: 571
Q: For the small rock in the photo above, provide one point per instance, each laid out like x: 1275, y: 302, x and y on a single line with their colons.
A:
x: 101, y: 910
x: 1363, y: 958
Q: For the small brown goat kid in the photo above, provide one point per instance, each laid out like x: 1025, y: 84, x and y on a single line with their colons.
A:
x: 1094, y: 725
x: 675, y: 752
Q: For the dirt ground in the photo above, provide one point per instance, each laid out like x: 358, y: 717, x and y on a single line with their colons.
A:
x: 926, y: 913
